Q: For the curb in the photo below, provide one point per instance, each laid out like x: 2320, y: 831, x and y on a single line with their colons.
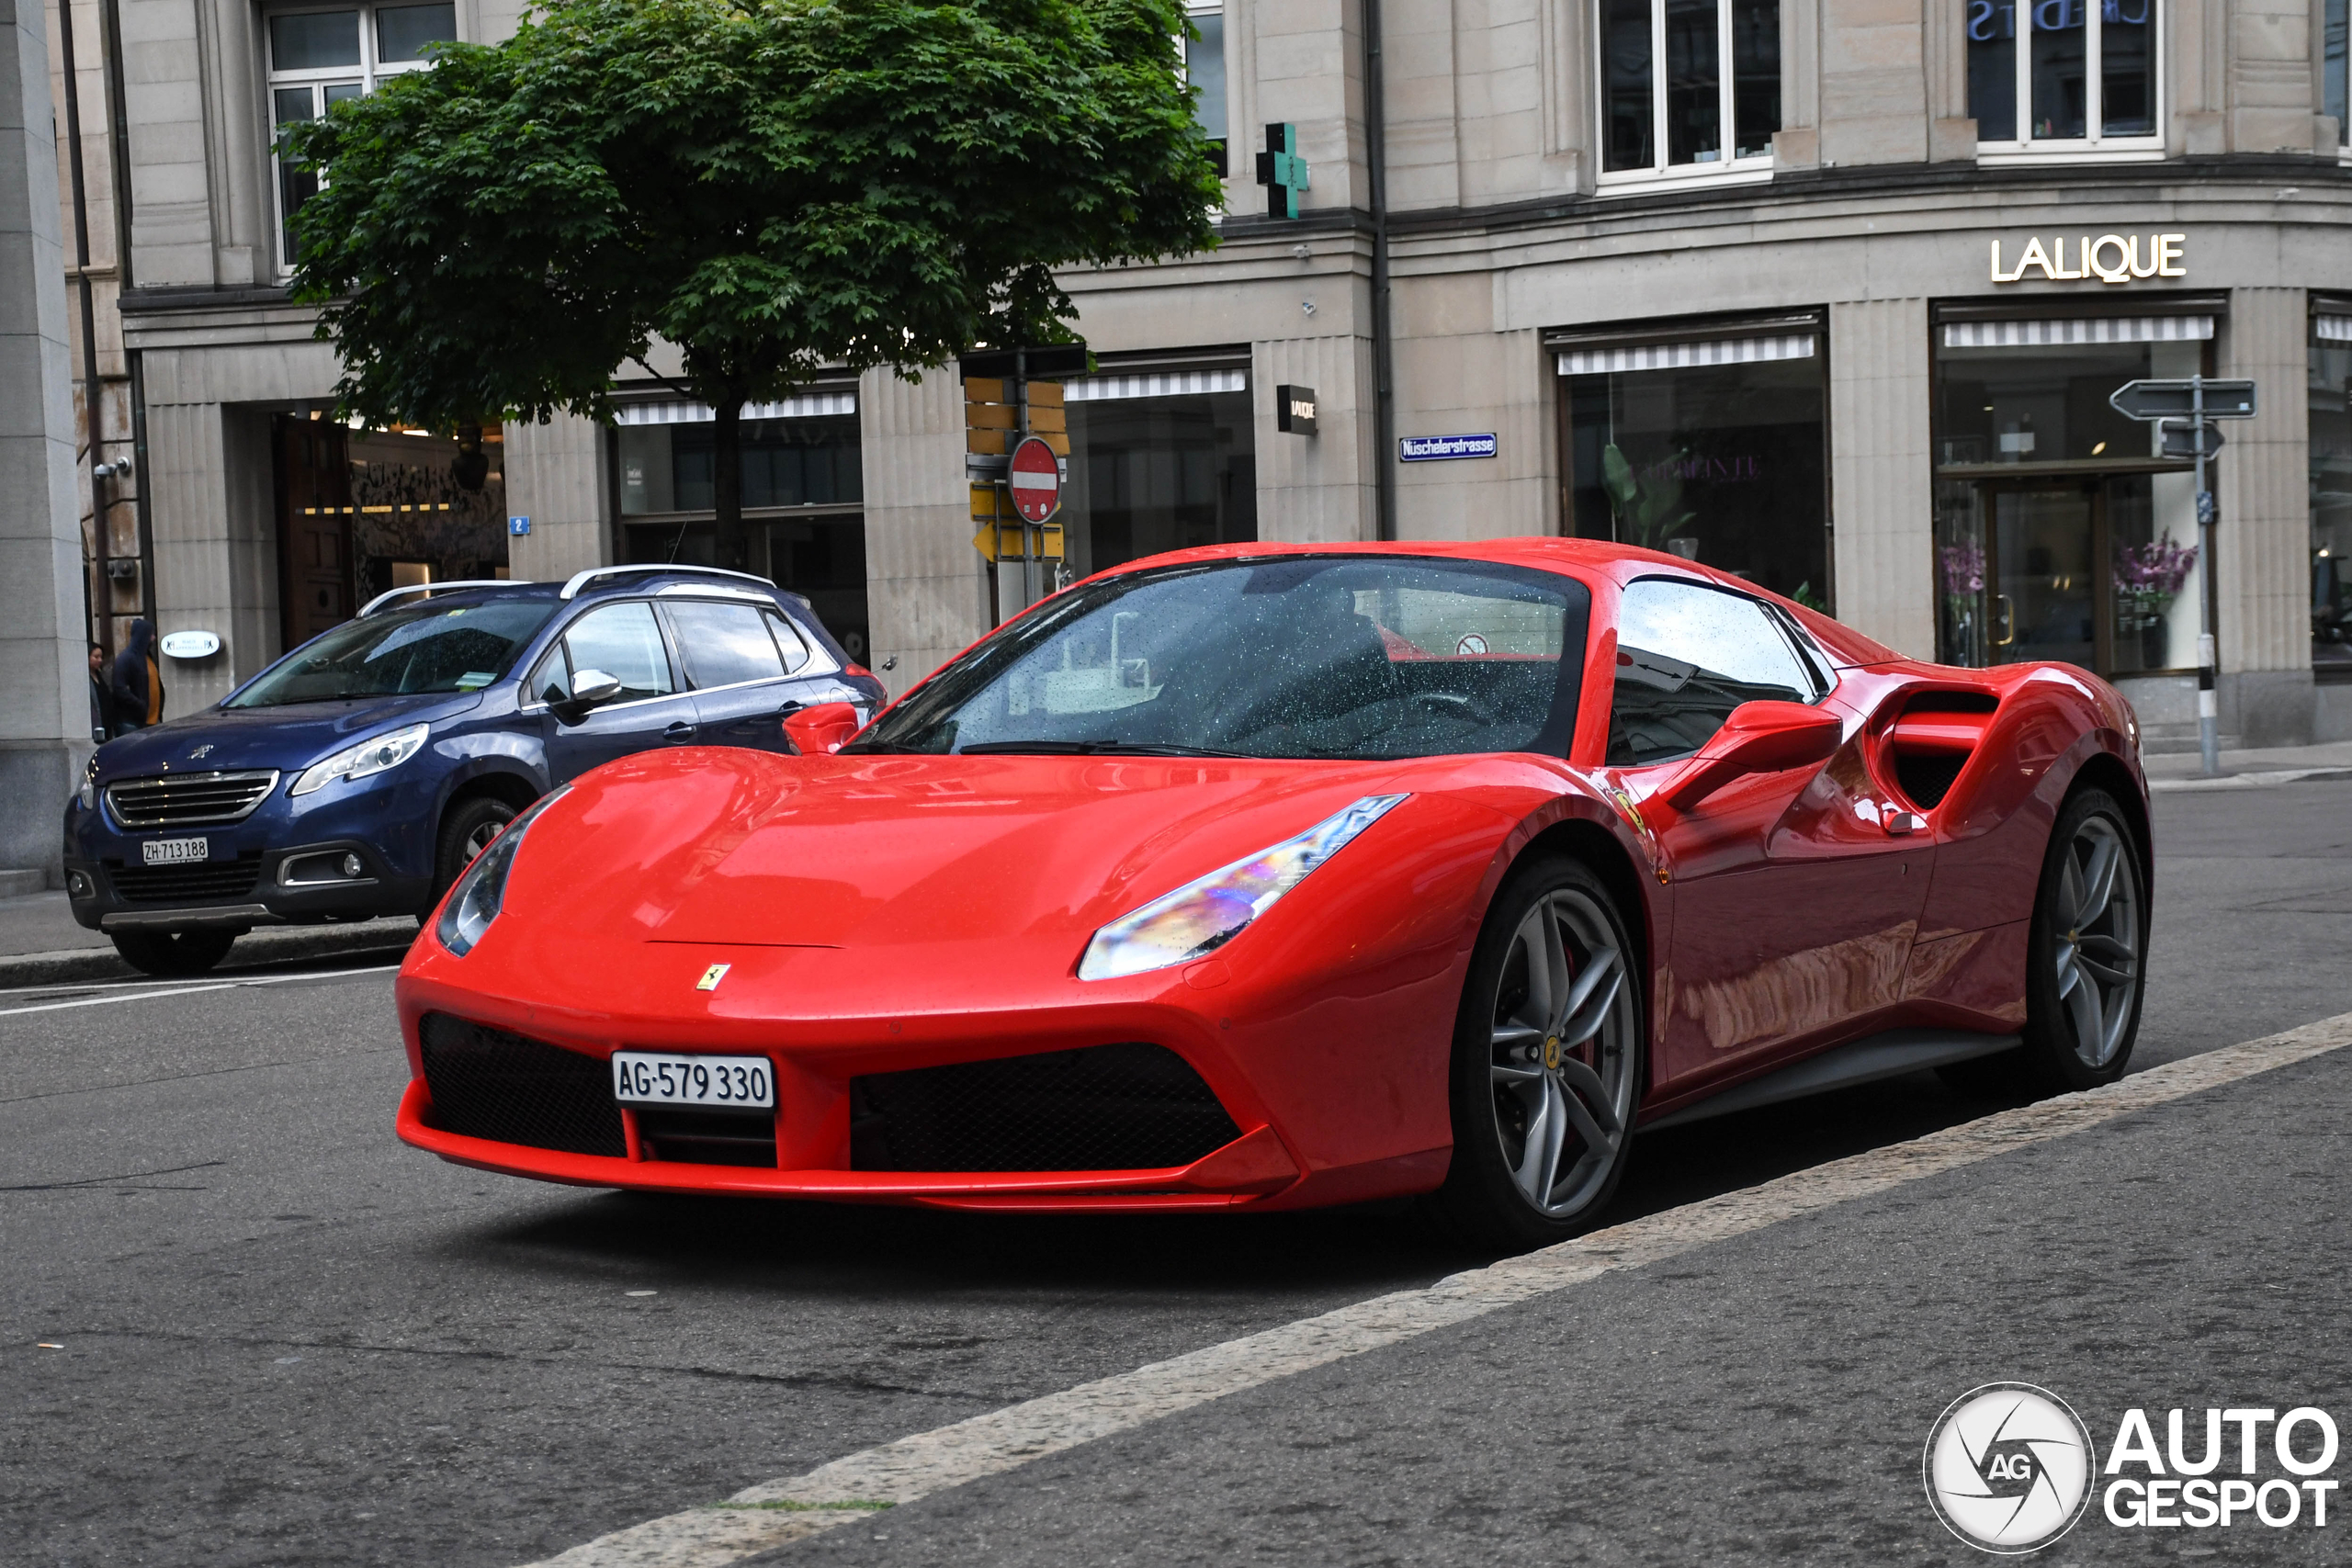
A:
x: 254, y: 949
x: 2269, y: 779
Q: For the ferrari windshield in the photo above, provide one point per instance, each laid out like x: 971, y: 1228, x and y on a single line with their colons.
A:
x: 1351, y: 655
x: 425, y: 647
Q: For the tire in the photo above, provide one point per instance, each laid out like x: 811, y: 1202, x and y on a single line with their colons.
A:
x: 2086, y: 969
x: 173, y: 953
x: 466, y: 831
x: 1547, y: 1069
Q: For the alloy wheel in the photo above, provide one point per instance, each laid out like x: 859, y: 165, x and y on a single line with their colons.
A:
x: 1562, y: 1060
x: 2096, y: 939
x: 481, y: 839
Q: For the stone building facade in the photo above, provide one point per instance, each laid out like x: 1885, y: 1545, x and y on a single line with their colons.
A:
x: 1828, y: 292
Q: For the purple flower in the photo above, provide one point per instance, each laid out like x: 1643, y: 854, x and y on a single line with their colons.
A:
x: 1964, y: 569
x: 2156, y: 570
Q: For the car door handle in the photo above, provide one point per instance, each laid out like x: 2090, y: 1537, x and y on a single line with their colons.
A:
x: 678, y: 732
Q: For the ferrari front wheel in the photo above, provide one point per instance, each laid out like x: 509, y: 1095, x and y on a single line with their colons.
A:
x: 1547, y: 1061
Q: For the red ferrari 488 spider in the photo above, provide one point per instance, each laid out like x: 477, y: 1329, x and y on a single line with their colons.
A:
x: 1270, y: 877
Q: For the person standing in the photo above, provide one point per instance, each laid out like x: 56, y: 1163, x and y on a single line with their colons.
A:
x: 101, y: 697
x: 137, y: 681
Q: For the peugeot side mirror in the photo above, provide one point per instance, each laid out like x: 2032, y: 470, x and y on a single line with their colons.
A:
x: 1759, y: 737
x: 590, y: 689
x: 814, y: 731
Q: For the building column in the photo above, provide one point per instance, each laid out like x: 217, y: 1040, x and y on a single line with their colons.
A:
x: 1317, y: 488
x: 926, y: 587
x: 555, y: 477
x: 1882, y: 481
x: 44, y: 703
x: 2264, y: 536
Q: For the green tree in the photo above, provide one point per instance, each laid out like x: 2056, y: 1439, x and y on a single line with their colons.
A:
x: 772, y: 185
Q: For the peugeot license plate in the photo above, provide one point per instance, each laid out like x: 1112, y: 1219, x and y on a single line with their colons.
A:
x: 714, y: 1083
x: 175, y: 851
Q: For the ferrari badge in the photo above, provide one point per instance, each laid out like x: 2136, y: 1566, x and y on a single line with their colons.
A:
x: 711, y: 976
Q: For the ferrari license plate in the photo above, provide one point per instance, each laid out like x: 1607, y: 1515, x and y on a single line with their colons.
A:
x: 714, y: 1083
x: 175, y: 851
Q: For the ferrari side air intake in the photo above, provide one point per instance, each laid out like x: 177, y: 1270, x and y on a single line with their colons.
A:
x: 487, y: 1083
x: 1128, y: 1107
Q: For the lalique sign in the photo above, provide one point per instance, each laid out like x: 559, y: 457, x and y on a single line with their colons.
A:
x: 2111, y: 259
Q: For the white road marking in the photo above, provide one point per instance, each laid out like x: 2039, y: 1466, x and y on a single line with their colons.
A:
x: 2269, y: 779
x: 774, y: 1512
x: 166, y: 994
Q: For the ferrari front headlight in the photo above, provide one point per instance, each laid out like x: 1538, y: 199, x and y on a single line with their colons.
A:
x: 367, y: 757
x: 479, y: 892
x: 1203, y: 916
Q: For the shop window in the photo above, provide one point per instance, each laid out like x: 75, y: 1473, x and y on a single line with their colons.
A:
x: 1157, y: 462
x: 2330, y: 394
x: 1205, y: 72
x: 1688, y: 87
x: 803, y: 485
x: 2062, y: 531
x: 322, y: 57
x: 1717, y: 452
x: 2063, y: 77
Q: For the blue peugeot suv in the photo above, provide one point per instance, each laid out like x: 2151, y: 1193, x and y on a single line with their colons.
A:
x: 358, y: 774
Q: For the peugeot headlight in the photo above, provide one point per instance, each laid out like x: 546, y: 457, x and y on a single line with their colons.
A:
x: 1203, y: 916
x: 479, y: 891
x: 367, y: 757
x: 89, y: 791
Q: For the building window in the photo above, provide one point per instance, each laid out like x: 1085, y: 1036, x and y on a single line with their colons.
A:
x: 2062, y: 531
x: 2063, y: 77
x: 322, y: 57
x: 1688, y: 87
x: 1716, y: 451
x: 803, y: 496
x: 2331, y: 475
x: 1205, y: 70
x: 1163, y: 460
x: 2337, y: 75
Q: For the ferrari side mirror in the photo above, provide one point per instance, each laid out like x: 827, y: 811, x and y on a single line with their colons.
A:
x: 824, y: 728
x: 1759, y: 737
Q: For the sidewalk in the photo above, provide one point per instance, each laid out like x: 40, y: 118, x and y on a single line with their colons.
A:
x: 40, y: 944
x: 2243, y: 769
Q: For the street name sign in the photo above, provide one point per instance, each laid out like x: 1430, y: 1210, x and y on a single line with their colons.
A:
x: 1445, y: 449
x: 2146, y: 401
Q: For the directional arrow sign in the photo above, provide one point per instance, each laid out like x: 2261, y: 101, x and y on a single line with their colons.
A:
x: 2177, y: 400
x: 1037, y: 480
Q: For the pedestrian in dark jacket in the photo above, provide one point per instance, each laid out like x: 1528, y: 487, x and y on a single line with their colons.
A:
x: 101, y: 697
x: 137, y: 683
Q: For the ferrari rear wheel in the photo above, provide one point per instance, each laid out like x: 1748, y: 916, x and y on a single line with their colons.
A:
x: 2084, y: 969
x: 1547, y: 1061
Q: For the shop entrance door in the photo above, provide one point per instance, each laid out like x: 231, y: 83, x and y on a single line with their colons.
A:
x: 2045, y: 567
x: 315, y: 525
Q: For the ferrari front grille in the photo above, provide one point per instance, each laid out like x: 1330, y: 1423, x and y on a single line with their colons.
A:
x: 488, y: 1083
x: 1128, y: 1107
x: 189, y: 800
x: 198, y: 882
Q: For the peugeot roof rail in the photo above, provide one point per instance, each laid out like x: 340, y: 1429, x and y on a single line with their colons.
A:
x: 380, y: 600
x: 580, y: 580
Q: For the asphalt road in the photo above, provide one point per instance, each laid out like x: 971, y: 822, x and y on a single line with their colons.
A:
x: 288, y: 1339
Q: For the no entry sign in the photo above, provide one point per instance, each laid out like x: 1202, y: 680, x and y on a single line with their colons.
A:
x: 1037, y: 480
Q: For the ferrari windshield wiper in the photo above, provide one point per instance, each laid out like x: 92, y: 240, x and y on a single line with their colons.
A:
x: 1092, y: 748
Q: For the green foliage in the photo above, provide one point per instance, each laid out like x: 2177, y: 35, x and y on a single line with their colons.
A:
x: 1645, y: 505
x: 772, y: 185
x: 1805, y: 596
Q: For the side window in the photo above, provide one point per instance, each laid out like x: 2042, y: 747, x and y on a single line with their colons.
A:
x: 787, y: 642
x: 319, y: 57
x: 723, y: 644
x: 551, y: 682
x: 624, y: 641
x: 1687, y: 655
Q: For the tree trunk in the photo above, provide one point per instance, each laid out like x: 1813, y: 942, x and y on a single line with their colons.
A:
x: 727, y: 482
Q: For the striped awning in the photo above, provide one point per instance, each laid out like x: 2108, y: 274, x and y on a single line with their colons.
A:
x: 2336, y: 329
x: 2060, y: 333
x: 1684, y: 355
x: 807, y: 405
x: 1154, y: 384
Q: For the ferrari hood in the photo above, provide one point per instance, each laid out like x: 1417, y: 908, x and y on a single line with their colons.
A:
x: 745, y: 848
